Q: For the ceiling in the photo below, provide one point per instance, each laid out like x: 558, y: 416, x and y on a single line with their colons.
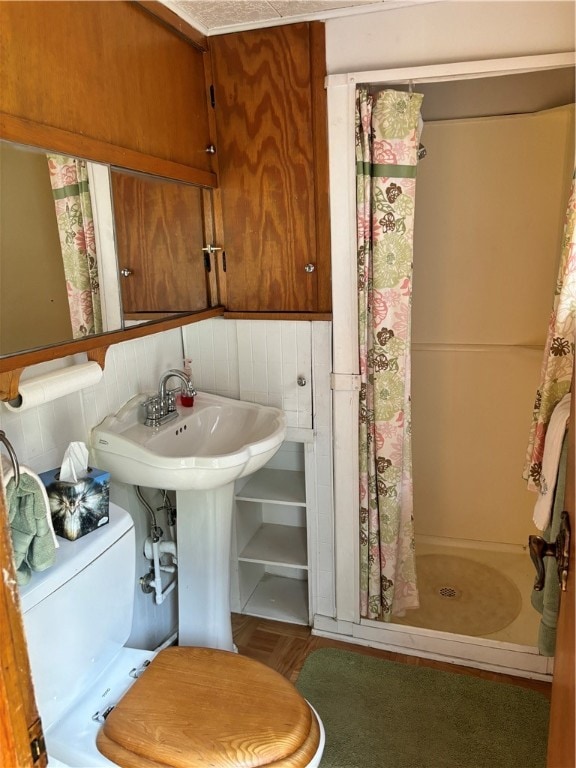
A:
x: 216, y: 16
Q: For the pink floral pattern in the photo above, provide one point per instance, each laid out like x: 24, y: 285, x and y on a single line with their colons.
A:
x: 69, y: 180
x: 387, y: 134
x: 558, y: 362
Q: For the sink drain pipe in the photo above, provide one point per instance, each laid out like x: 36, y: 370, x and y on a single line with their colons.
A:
x: 154, y: 548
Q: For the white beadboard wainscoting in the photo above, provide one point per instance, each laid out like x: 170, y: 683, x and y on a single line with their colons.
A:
x: 251, y: 360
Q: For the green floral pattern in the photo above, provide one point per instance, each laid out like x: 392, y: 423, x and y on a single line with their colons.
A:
x: 69, y: 180
x: 387, y: 142
x: 558, y: 363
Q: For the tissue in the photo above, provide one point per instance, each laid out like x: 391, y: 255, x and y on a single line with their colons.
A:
x: 75, y: 463
x: 78, y: 494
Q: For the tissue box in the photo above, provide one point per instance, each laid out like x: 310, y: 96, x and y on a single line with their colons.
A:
x: 78, y: 508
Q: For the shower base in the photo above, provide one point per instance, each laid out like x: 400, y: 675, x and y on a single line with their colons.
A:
x: 482, y: 592
x: 510, y: 643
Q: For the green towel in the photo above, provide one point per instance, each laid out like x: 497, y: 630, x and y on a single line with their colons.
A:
x: 32, y: 538
x: 547, y: 600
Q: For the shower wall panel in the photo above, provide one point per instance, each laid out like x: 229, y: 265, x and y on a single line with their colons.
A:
x: 471, y: 415
x: 491, y: 199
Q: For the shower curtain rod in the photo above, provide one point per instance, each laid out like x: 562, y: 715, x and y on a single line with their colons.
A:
x: 464, y: 70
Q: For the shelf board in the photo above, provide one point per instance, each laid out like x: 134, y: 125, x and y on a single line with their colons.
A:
x: 277, y: 545
x: 276, y: 486
x: 280, y: 599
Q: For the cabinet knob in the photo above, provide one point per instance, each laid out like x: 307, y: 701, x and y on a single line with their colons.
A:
x: 301, y: 381
x: 210, y: 149
x: 125, y: 272
x: 309, y: 268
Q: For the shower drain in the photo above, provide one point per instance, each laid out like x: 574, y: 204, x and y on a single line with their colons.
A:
x: 449, y: 593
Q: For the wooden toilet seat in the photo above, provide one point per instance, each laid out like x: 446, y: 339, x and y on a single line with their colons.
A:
x: 199, y: 707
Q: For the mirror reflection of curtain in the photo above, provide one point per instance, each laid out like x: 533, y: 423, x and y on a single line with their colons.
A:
x: 387, y: 142
x: 69, y: 180
x: 558, y: 362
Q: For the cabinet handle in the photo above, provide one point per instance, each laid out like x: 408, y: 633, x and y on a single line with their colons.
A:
x: 210, y: 149
x: 125, y: 272
x: 309, y: 268
x: 301, y: 381
x: 210, y: 249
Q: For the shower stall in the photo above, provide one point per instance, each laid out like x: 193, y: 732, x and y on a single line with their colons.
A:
x: 491, y: 197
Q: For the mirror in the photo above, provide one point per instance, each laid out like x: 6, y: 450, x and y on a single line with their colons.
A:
x: 157, y: 226
x: 161, y: 229
x: 49, y: 212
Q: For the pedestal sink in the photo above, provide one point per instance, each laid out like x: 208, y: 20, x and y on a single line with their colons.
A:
x: 199, y: 454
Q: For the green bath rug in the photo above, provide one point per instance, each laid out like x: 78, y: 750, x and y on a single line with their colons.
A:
x: 382, y: 714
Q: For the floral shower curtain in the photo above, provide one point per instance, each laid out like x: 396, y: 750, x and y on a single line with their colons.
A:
x: 558, y: 363
x: 387, y: 144
x: 69, y: 180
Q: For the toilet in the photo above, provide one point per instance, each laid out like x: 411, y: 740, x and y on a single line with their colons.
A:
x: 103, y: 704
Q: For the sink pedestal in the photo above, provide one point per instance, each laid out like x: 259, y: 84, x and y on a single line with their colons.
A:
x: 204, y: 529
x: 199, y: 454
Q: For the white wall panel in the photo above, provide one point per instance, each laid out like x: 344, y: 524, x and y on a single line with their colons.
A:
x: 448, y: 32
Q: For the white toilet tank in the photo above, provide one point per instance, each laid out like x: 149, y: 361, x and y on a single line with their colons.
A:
x: 78, y: 614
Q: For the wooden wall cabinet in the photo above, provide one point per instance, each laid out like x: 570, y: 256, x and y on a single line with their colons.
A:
x: 125, y: 84
x: 109, y: 82
x: 270, y: 109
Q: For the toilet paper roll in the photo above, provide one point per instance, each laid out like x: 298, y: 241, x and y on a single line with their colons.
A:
x: 50, y: 386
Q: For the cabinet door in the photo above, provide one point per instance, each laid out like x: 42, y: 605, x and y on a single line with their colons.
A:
x: 21, y: 737
x: 160, y: 236
x: 270, y: 107
x: 143, y: 85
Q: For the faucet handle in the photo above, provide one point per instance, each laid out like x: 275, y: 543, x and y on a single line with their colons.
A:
x: 170, y: 401
x: 153, y: 410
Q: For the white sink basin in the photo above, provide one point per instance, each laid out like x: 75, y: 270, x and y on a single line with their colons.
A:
x: 207, y: 446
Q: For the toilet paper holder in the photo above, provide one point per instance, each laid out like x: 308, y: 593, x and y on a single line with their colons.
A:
x: 10, y: 380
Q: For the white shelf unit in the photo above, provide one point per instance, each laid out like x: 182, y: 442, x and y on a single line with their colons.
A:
x: 271, y: 562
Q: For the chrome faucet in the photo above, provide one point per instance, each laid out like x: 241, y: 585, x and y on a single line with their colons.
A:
x: 161, y: 408
x: 184, y: 378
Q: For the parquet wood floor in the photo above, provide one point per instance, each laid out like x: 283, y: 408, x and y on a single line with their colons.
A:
x: 284, y: 647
